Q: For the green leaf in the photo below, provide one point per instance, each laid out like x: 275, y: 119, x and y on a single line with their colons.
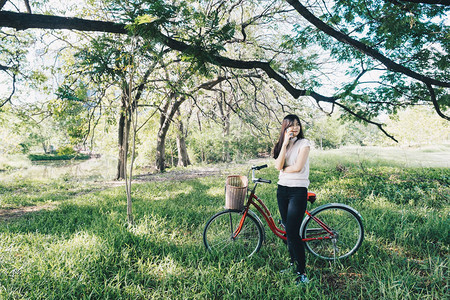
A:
x: 145, y: 19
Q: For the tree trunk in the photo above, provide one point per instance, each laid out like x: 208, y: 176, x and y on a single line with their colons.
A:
x: 125, y: 123
x: 225, y: 115
x: 161, y: 138
x: 161, y: 150
x: 124, y: 130
x: 170, y: 107
x: 226, y: 142
x: 202, y: 153
x: 183, y: 157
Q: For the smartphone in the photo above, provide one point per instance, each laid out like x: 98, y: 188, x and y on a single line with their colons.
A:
x: 291, y: 135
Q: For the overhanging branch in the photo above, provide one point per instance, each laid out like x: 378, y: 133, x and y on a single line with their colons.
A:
x: 2, y: 3
x: 21, y: 21
x: 435, y: 103
x: 4, y: 68
x: 8, y: 99
x: 379, y: 125
x: 390, y: 64
x: 333, y: 101
x: 442, y: 2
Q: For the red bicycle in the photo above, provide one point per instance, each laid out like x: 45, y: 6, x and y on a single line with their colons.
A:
x: 331, y: 231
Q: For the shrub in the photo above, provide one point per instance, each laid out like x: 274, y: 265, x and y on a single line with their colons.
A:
x: 66, y: 150
x: 49, y: 157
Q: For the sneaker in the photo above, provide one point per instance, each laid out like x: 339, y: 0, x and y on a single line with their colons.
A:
x: 301, y: 279
x: 290, y: 269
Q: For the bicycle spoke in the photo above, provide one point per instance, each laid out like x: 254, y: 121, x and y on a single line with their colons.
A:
x: 219, y: 234
x: 346, y: 235
x: 220, y: 243
x: 336, y: 227
x: 231, y: 224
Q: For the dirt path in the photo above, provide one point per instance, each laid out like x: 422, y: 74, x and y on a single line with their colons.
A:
x: 178, y: 175
x: 9, y: 214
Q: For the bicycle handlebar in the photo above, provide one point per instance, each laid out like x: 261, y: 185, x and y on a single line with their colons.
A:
x: 261, y: 180
x: 259, y: 167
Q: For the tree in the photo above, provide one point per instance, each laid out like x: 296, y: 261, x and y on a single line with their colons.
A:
x: 369, y: 36
x: 183, y: 156
x: 403, y: 30
x: 22, y: 134
x: 14, y: 69
x: 170, y: 107
x: 105, y: 64
x: 415, y: 126
x: 326, y: 133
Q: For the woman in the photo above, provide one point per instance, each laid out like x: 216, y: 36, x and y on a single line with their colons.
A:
x: 291, y: 159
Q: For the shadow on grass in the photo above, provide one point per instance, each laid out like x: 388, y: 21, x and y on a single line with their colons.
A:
x: 84, y: 248
x: 26, y: 193
x: 165, y: 240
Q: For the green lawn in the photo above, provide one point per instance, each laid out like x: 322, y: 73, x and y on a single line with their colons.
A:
x: 83, y: 248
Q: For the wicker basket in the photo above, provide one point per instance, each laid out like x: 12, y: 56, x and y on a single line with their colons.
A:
x: 235, y: 191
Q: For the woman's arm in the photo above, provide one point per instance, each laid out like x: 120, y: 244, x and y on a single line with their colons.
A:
x: 279, y: 162
x: 300, y: 162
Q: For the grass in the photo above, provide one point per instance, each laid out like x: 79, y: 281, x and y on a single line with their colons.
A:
x: 16, y: 194
x: 84, y: 249
x: 425, y: 156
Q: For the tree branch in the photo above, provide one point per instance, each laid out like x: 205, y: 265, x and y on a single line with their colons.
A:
x: 435, y: 103
x: 27, y: 5
x: 390, y: 64
x: 442, y: 2
x: 4, y: 68
x: 21, y: 21
x: 400, y: 5
x: 379, y: 125
x: 2, y: 3
x: 8, y: 99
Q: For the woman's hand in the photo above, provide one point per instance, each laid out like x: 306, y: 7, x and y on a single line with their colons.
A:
x: 279, y: 162
x: 288, y: 135
x: 299, y: 162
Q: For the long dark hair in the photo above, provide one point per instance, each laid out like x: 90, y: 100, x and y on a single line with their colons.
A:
x: 288, y: 121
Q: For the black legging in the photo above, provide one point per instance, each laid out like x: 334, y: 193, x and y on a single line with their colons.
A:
x: 292, y: 206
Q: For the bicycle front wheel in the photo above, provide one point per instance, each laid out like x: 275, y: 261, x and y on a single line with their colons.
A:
x: 346, y: 227
x: 218, y: 235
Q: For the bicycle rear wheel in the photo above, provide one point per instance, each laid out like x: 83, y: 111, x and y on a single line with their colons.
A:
x: 346, y: 227
x: 218, y: 235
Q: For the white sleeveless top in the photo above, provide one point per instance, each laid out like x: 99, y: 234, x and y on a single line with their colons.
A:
x: 298, y: 179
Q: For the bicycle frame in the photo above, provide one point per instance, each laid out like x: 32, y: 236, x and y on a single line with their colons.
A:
x: 264, y: 211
